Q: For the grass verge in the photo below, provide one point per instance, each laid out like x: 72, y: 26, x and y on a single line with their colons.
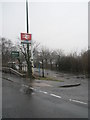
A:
x: 48, y: 79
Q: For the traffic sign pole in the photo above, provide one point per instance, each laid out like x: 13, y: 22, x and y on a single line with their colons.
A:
x: 31, y: 39
x: 29, y: 67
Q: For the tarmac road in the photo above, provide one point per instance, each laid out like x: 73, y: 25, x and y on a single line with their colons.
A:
x: 79, y: 93
x: 39, y: 103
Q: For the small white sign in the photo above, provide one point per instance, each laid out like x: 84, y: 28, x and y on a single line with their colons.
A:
x: 26, y: 42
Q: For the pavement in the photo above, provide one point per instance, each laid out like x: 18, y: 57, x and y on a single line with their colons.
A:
x: 68, y: 78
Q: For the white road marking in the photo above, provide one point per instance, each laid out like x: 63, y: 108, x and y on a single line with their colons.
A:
x: 78, y: 101
x: 32, y: 88
x: 43, y: 92
x: 55, y: 95
x: 28, y: 87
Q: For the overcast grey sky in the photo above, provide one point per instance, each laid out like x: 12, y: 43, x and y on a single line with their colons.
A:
x: 57, y: 25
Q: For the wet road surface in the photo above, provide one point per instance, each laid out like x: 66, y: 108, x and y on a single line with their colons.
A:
x: 38, y: 104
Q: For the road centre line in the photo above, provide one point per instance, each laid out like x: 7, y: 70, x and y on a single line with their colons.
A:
x: 28, y: 87
x: 52, y: 94
x: 77, y: 101
x: 55, y: 95
x: 61, y: 97
x: 43, y: 92
x: 32, y: 88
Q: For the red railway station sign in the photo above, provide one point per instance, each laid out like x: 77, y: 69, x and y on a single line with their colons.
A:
x: 25, y: 36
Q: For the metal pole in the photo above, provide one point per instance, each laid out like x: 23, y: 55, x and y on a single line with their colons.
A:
x: 27, y: 16
x: 31, y: 44
x: 32, y: 57
x: 29, y: 65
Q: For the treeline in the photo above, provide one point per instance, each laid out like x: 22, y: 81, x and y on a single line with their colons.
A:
x: 49, y: 59
x: 57, y: 60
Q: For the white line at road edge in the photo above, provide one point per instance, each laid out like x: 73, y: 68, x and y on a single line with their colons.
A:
x: 78, y: 101
x: 55, y: 95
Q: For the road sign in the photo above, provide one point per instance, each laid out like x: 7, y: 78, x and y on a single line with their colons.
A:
x: 25, y: 42
x: 15, y: 54
x: 26, y: 36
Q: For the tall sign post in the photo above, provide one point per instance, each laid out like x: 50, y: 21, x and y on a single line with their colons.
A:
x: 29, y: 55
x: 26, y: 38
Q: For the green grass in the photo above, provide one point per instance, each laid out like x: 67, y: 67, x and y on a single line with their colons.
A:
x: 48, y: 79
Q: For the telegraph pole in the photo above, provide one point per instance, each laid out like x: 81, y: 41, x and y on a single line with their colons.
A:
x: 27, y: 16
x: 29, y: 64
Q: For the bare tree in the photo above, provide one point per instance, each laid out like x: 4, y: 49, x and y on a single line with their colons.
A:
x: 7, y: 47
x: 84, y: 61
x: 59, y: 54
x: 23, y: 49
x: 42, y: 58
x: 52, y: 58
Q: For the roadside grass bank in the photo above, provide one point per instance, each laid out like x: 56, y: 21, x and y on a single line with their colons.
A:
x: 47, y: 78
